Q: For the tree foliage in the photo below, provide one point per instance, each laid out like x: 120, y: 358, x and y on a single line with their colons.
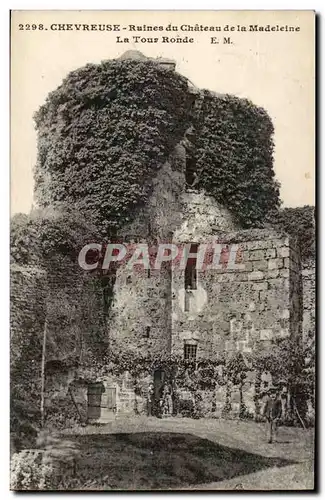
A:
x: 45, y: 235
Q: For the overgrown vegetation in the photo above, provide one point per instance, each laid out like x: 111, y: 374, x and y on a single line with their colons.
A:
x: 234, y: 157
x: 52, y: 300
x: 288, y: 362
x: 104, y: 133
x: 299, y: 222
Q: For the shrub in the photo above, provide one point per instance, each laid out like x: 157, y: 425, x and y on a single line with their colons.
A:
x: 28, y: 471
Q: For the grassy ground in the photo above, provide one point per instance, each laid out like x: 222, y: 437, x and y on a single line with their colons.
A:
x: 142, y: 454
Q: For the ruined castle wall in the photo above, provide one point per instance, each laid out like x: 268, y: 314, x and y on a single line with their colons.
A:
x: 117, y: 395
x: 202, y: 217
x: 140, y: 318
x: 27, y: 308
x: 309, y: 299
x: 295, y: 295
x: 240, y: 309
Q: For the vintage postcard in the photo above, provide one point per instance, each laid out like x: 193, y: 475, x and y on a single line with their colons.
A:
x: 162, y: 250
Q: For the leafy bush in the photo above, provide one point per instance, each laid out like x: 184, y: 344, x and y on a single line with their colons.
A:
x: 28, y: 472
x: 186, y: 408
x: 61, y: 414
x: 45, y: 235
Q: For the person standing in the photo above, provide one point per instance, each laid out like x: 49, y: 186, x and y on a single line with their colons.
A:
x: 166, y: 402
x: 272, y: 412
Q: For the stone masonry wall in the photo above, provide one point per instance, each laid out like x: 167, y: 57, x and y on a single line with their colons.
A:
x: 240, y: 309
x: 143, y: 301
x: 27, y: 307
x: 129, y: 397
x: 309, y: 298
x: 140, y: 318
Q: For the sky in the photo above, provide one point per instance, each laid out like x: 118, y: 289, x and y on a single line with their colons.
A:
x: 275, y: 69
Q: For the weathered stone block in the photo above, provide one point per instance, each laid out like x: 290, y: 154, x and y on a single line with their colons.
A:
x: 260, y: 286
x: 270, y: 253
x: 274, y: 273
x: 242, y: 277
x: 284, y: 332
x: 248, y: 267
x: 266, y: 334
x: 256, y: 245
x: 278, y: 243
x: 283, y: 252
x: 229, y: 345
x: 287, y: 263
x: 285, y: 314
x: 256, y: 255
x: 262, y: 306
x: 247, y: 347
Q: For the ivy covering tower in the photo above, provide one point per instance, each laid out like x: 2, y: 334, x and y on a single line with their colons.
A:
x: 107, y: 130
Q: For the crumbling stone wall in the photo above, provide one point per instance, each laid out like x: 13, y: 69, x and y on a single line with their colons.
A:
x: 202, y: 217
x: 232, y: 309
x: 309, y: 292
x: 27, y: 308
x: 245, y: 308
x: 140, y: 316
x: 143, y: 300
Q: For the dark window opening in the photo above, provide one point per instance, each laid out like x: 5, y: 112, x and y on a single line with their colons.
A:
x: 148, y: 273
x: 190, y: 269
x: 190, y: 351
x: 147, y: 332
x: 190, y: 171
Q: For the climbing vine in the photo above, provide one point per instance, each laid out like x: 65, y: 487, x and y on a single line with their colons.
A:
x: 234, y: 157
x: 104, y: 133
